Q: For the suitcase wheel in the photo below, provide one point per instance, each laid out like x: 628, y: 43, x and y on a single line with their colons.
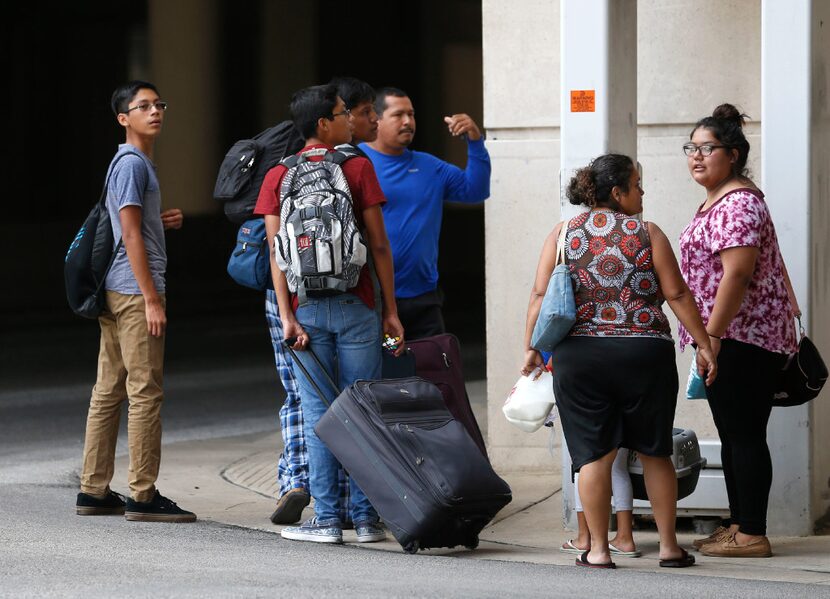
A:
x: 412, y: 547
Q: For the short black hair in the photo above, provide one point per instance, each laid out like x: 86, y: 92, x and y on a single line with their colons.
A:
x: 353, y: 91
x: 311, y: 104
x: 383, y: 92
x: 124, y: 94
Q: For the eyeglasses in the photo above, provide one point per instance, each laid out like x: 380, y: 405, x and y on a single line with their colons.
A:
x: 145, y: 106
x: 345, y: 112
x: 705, y: 150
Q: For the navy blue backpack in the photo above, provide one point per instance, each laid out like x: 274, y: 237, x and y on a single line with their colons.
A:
x: 250, y: 264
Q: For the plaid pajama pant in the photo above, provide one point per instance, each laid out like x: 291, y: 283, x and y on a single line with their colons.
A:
x: 292, y: 469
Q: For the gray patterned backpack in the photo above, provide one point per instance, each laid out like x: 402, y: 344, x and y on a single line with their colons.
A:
x: 319, y: 246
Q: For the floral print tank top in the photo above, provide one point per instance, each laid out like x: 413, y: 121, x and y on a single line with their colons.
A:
x: 616, y: 289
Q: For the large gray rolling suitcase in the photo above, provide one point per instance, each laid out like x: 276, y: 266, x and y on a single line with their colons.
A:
x: 417, y: 464
x: 687, y: 465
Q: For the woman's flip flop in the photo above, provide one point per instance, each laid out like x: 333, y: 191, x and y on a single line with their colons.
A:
x: 621, y: 553
x: 569, y: 547
x: 684, y: 561
x: 582, y: 560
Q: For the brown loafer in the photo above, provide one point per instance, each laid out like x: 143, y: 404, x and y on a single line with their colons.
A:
x: 719, y: 534
x: 290, y: 506
x: 731, y: 548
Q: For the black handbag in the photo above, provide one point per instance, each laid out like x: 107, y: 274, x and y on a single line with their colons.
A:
x: 804, y: 375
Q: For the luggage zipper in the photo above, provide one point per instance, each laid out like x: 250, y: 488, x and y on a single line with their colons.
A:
x: 420, y: 420
x: 420, y: 460
x: 447, y: 361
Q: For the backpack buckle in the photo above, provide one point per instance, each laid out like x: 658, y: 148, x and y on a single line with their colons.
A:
x: 313, y: 283
x: 309, y: 212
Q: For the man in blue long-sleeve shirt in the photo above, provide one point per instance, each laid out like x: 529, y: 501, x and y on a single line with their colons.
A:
x: 416, y: 185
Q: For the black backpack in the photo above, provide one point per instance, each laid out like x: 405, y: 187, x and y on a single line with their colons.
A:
x: 245, y: 165
x: 89, y: 258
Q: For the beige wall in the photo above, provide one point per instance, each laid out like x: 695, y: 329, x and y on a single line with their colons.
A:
x: 521, y: 115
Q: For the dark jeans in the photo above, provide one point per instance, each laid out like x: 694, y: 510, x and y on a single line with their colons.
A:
x: 421, y: 315
x: 740, y: 401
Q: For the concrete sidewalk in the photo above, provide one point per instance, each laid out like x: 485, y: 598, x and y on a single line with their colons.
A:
x: 232, y: 481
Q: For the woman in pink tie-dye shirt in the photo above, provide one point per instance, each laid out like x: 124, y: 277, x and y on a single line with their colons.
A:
x: 731, y: 262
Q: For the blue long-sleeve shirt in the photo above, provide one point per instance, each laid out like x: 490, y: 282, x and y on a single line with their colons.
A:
x: 416, y: 185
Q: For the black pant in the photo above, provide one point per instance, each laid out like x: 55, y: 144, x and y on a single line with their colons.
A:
x: 740, y: 399
x: 421, y: 315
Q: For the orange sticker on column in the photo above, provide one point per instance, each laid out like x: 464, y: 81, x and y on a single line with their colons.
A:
x: 582, y: 100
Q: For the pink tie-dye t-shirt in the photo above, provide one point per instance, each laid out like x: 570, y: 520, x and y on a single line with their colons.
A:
x: 739, y: 219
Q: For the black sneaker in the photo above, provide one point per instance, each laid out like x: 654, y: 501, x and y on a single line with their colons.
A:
x: 290, y: 506
x: 89, y: 505
x: 159, y: 509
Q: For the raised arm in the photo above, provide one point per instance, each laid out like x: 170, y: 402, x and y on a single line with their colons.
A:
x: 471, y: 185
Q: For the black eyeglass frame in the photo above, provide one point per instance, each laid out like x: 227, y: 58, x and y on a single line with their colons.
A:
x: 694, y: 148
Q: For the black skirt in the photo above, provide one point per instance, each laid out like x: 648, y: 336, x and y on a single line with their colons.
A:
x: 615, y: 392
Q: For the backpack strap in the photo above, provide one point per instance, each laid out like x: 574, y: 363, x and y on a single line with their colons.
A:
x: 103, y: 199
x: 340, y: 155
x: 290, y: 162
x: 103, y: 202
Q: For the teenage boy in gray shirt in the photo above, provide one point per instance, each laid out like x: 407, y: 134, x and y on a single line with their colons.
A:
x: 130, y: 360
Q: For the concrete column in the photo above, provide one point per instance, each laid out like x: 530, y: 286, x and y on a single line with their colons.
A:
x: 598, y: 108
x: 521, y: 115
x: 182, y: 38
x: 796, y: 131
x: 599, y: 84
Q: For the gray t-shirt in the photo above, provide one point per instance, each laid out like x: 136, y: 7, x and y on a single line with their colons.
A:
x: 133, y: 182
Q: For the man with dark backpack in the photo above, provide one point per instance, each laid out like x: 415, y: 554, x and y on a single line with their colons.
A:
x: 292, y: 470
x: 130, y: 361
x: 320, y: 204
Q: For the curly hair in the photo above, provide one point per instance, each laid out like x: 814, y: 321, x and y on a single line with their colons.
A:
x: 591, y: 186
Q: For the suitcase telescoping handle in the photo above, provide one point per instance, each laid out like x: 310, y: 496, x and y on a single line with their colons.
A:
x: 288, y: 345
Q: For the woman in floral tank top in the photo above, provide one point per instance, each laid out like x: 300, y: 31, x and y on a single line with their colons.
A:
x: 731, y: 261
x: 614, y: 375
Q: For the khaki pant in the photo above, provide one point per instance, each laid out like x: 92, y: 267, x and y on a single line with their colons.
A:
x: 130, y: 365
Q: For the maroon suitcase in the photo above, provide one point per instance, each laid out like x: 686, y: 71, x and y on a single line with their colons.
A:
x: 438, y: 360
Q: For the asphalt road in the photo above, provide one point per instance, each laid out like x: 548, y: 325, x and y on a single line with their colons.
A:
x: 48, y: 551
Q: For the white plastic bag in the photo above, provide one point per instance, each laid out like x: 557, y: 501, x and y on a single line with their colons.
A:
x: 530, y: 401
